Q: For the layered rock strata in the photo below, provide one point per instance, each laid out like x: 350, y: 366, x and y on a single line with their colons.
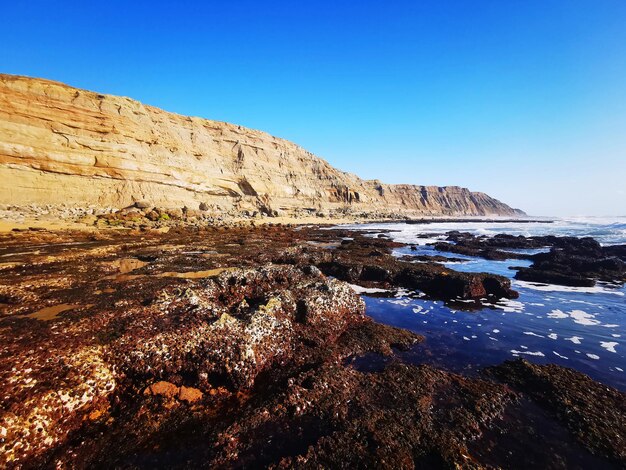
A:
x: 60, y: 144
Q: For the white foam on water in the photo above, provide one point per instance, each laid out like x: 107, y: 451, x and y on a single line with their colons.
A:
x: 510, y: 306
x: 553, y: 336
x: 402, y: 292
x: 593, y: 356
x: 616, y: 335
x: 606, y: 230
x: 366, y: 290
x: 419, y: 309
x: 424, y: 241
x: 530, y: 353
x: 579, y: 316
x: 562, y: 357
x: 496, y: 331
x: 609, y: 345
x: 584, y: 318
x: 620, y: 369
x: 557, y: 314
x: 557, y: 288
x: 530, y: 333
x: 611, y: 325
x: 466, y: 338
x: 574, y: 339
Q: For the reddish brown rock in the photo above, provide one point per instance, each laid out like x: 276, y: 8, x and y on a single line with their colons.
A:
x: 163, y: 389
x: 593, y: 412
x: 189, y: 394
x: 291, y: 371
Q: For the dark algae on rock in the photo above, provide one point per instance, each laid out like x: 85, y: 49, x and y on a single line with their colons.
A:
x: 569, y: 261
x: 577, y: 262
x: 369, y: 262
x: 245, y: 348
x: 593, y: 412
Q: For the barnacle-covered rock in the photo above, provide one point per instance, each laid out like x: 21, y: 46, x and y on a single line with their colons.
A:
x: 234, y: 326
x: 187, y: 342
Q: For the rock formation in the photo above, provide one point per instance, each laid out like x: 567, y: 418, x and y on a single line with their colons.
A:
x: 225, y: 348
x: 60, y: 144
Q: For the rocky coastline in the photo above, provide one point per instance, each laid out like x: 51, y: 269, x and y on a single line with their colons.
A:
x: 169, y: 299
x: 234, y: 346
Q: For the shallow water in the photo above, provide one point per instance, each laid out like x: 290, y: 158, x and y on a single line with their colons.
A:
x: 127, y: 265
x: 582, y: 328
x: 51, y: 313
x: 194, y: 274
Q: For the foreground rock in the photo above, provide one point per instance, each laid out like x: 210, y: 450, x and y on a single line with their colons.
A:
x: 208, y: 339
x: 593, y: 412
x: 228, y: 348
x: 255, y: 361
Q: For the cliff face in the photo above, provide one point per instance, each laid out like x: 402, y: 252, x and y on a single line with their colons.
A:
x: 60, y: 144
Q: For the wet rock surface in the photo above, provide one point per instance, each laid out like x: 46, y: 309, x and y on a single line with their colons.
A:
x: 577, y: 262
x: 570, y: 261
x: 594, y: 413
x: 244, y: 347
x: 369, y: 262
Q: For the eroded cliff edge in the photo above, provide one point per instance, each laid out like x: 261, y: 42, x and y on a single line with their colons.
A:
x: 60, y: 144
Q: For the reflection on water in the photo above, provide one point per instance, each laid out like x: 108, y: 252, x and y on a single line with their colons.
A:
x: 581, y: 328
x: 127, y: 265
x: 50, y: 313
x: 195, y: 274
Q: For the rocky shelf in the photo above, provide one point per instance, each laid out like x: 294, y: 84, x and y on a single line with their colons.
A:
x: 236, y: 347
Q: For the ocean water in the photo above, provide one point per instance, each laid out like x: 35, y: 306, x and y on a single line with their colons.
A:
x: 581, y: 328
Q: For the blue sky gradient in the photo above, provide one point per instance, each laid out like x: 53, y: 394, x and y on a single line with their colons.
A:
x: 522, y: 99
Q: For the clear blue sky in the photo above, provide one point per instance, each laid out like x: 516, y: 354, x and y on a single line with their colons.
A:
x: 522, y: 99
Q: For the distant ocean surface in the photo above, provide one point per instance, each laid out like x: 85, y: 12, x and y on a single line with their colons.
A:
x: 581, y: 328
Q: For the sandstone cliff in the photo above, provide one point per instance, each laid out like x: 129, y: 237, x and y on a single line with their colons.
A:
x: 60, y: 144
